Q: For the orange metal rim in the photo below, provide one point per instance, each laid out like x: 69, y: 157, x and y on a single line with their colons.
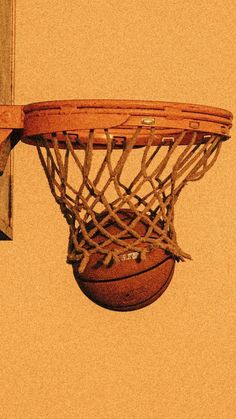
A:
x: 126, y: 104
x: 122, y: 117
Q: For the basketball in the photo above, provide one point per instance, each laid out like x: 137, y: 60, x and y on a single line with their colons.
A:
x: 131, y: 283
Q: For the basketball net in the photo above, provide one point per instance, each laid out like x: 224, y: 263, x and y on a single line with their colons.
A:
x: 150, y: 189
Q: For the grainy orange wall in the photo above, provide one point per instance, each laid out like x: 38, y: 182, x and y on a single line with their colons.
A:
x: 64, y: 357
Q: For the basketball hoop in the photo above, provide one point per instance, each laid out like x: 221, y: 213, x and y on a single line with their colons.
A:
x: 116, y: 169
x: 121, y: 219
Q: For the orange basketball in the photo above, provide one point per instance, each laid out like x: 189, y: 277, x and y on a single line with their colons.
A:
x: 131, y: 283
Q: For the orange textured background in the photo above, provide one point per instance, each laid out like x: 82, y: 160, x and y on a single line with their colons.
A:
x: 64, y: 357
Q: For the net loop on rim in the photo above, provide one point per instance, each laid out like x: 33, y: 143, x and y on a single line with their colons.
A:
x: 147, y: 188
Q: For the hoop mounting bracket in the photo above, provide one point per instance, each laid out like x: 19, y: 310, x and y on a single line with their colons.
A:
x: 11, y: 119
x: 11, y: 116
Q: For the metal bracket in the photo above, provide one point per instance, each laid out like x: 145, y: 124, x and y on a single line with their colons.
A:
x: 11, y: 117
x: 11, y: 122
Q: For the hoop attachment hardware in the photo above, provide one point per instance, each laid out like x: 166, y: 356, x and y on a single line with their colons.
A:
x: 11, y: 118
x: 148, y: 121
x: 184, y: 122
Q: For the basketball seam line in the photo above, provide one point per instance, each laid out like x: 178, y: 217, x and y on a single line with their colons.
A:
x: 158, y: 293
x: 127, y: 276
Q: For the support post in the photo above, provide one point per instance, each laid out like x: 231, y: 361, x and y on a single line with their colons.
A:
x: 7, y: 60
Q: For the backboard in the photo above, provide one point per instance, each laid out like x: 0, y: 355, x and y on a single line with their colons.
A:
x: 7, y: 15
